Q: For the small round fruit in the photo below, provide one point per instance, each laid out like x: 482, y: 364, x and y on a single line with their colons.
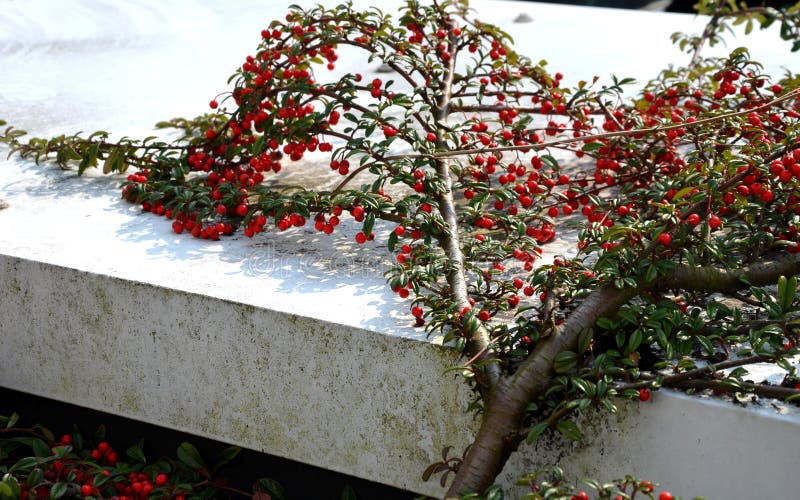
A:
x: 644, y: 394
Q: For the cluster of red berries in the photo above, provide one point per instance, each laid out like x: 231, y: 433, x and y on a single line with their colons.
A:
x: 81, y: 475
x: 643, y: 486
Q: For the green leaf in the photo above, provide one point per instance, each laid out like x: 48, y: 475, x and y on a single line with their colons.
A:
x: 635, y: 340
x: 47, y: 433
x: 369, y: 223
x: 787, y: 288
x: 536, y: 431
x: 494, y: 493
x: 100, y: 480
x: 272, y: 487
x: 565, y: 361
x: 100, y: 433
x: 89, y: 158
x: 392, y: 243
x: 550, y: 161
x: 136, y: 453
x: 348, y: 493
x: 5, y: 490
x: 584, y: 339
x: 59, y: 489
x: 24, y: 463
x: 584, y: 386
x: 189, y: 455
x: 12, y: 420
x: 40, y: 448
x: 226, y: 456
x: 35, y: 477
x: 706, y: 343
x: 569, y: 430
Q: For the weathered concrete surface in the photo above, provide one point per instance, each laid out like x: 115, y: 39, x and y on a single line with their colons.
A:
x: 335, y: 396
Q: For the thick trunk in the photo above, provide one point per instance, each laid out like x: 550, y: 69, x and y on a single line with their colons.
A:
x: 505, y: 407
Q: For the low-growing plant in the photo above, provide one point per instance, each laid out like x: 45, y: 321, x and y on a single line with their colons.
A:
x: 34, y: 464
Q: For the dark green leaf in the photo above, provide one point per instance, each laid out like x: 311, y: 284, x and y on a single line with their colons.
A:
x: 24, y: 463
x: 272, y: 487
x: 59, y: 490
x: 40, y: 448
x: 635, y: 340
x: 536, y: 431
x: 189, y: 455
x: 226, y: 456
x: 136, y: 454
x: 569, y: 430
x: 35, y: 477
x: 100, y: 434
x: 348, y: 493
x: 369, y: 222
x: 565, y: 361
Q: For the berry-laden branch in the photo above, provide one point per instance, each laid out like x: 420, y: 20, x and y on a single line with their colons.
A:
x: 471, y: 161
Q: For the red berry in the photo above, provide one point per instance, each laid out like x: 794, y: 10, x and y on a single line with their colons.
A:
x: 213, y: 104
x: 728, y: 198
x: 416, y: 311
x: 161, y: 480
x: 714, y: 222
x: 86, y: 490
x: 665, y: 239
x: 644, y: 394
x: 431, y: 137
x: 665, y: 495
x: 361, y: 237
x: 693, y: 219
